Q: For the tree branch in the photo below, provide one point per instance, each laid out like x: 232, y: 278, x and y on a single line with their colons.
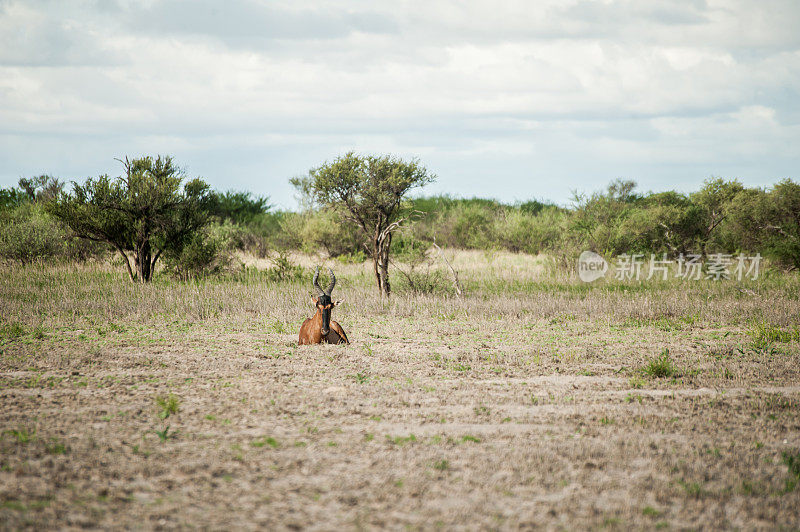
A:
x: 456, y: 284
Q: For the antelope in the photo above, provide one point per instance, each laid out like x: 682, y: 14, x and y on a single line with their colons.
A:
x: 320, y: 329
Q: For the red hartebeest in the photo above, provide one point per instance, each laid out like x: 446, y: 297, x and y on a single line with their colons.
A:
x: 320, y: 329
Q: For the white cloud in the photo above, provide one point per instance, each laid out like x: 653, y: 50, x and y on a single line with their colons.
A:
x: 584, y: 90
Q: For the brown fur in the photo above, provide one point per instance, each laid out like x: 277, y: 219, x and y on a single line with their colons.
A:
x: 311, y: 331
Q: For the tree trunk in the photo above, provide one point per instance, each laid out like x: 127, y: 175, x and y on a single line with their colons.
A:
x: 380, y: 263
x: 142, y: 258
x: 383, y: 265
x: 376, y: 254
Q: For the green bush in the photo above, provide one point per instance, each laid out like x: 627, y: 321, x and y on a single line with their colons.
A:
x: 519, y: 230
x: 29, y: 234
x: 208, y: 251
x: 284, y: 270
x: 425, y: 282
x: 321, y: 231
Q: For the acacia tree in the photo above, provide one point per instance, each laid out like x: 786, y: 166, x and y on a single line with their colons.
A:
x: 769, y: 221
x: 714, y: 201
x: 368, y: 191
x: 144, y: 213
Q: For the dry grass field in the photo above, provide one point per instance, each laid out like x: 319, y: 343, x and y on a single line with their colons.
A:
x: 535, y: 401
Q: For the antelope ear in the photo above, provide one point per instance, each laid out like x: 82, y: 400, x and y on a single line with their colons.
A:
x: 315, y: 299
x: 338, y: 302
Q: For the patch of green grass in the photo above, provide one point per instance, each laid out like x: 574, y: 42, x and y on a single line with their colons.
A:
x: 482, y: 410
x: 693, y: 489
x: 631, y: 397
x: 13, y: 505
x: 167, y: 405
x: 469, y: 438
x: 361, y: 377
x: 764, y: 334
x: 38, y: 332
x: 400, y: 440
x: 636, y: 382
x: 441, y: 465
x: 606, y: 421
x: 792, y: 462
x: 611, y: 521
x: 22, y: 434
x: 137, y: 450
x: 55, y: 447
x: 264, y: 441
x: 12, y: 331
x: 661, y: 366
x: 164, y: 435
x: 369, y: 437
x: 649, y: 511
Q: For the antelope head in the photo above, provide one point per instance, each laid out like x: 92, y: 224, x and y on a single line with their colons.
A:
x: 322, y: 300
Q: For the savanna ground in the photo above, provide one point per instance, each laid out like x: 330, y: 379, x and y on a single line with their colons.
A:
x: 535, y: 401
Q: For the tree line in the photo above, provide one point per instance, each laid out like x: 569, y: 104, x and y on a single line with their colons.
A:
x: 358, y: 208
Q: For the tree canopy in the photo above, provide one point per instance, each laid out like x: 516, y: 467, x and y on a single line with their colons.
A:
x: 145, y: 212
x: 368, y: 191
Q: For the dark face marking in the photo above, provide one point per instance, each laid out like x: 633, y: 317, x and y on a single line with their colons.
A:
x: 325, y: 305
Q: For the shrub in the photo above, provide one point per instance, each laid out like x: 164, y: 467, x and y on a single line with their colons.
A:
x: 29, y: 234
x: 425, y: 282
x: 661, y: 366
x: 284, y: 270
x: 320, y: 231
x: 208, y: 251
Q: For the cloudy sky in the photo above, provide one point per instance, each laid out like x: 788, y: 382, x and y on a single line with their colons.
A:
x: 506, y: 99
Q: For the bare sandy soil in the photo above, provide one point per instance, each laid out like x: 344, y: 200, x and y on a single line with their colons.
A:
x: 499, y: 421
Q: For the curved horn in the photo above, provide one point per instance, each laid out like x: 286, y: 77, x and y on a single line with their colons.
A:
x: 333, y: 283
x: 315, y: 281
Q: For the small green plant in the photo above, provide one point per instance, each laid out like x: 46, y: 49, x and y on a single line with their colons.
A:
x: 284, y: 270
x: 167, y: 405
x: 660, y: 366
x: 441, y: 465
x: 606, y: 421
x: 164, y: 435
x: 264, y: 441
x: 369, y: 437
x: 631, y: 397
x: 55, y: 447
x: 765, y: 334
x: 12, y: 330
x: 400, y: 440
x: 482, y: 410
x: 38, y: 332
x: 649, y: 511
x: 636, y: 382
x: 361, y: 377
x: 22, y: 435
x: 469, y: 438
x: 693, y: 489
x: 792, y: 462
